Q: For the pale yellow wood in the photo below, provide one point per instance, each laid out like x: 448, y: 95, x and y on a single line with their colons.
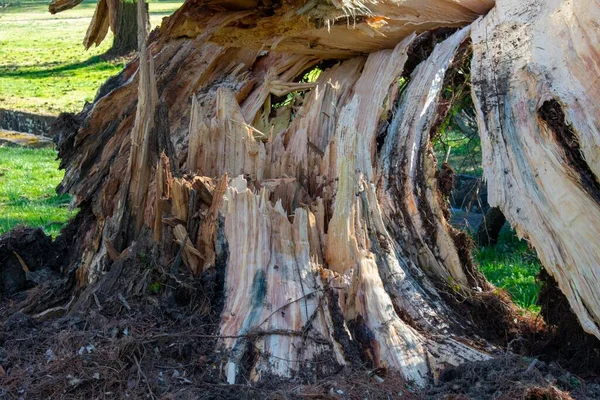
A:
x: 180, y: 194
x: 191, y: 257
x: 272, y: 285
x: 257, y: 224
x: 325, y: 29
x: 207, y: 233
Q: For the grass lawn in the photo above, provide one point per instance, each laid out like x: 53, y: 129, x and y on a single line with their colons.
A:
x: 44, y: 68
x: 512, y: 266
x: 28, y: 178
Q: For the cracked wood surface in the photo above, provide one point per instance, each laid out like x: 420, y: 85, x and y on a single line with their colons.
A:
x: 543, y: 172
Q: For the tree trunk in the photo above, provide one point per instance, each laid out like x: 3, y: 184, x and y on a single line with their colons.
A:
x: 118, y: 15
x: 125, y: 39
x: 490, y: 227
x: 322, y: 212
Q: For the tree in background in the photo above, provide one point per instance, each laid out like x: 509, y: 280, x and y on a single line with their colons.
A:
x: 118, y: 15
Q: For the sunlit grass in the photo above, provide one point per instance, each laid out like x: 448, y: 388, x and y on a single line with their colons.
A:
x: 465, y: 152
x: 512, y: 266
x: 28, y: 178
x: 44, y: 68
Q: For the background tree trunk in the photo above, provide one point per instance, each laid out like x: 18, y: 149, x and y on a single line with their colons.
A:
x: 118, y: 15
x: 321, y: 213
x: 490, y: 227
x: 125, y: 37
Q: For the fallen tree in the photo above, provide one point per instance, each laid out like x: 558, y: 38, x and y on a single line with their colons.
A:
x: 314, y: 203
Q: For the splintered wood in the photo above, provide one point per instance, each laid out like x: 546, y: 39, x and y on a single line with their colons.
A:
x: 288, y: 277
x: 313, y: 272
x: 57, y: 6
x: 227, y: 145
x: 317, y: 199
x: 105, y: 16
x: 139, y: 160
x: 326, y: 29
x: 273, y: 288
x: 407, y: 152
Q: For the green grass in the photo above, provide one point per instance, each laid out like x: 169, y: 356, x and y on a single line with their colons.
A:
x: 44, y: 68
x: 28, y: 178
x: 512, y: 266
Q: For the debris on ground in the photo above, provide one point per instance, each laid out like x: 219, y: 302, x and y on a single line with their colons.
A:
x: 157, y: 338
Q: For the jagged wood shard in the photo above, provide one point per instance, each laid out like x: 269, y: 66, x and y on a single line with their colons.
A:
x: 57, y: 6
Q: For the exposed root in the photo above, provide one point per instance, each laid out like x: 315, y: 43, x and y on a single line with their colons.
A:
x: 491, y: 314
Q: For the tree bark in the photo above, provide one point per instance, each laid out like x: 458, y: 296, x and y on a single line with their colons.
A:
x: 323, y: 214
x: 125, y: 37
x: 490, y: 227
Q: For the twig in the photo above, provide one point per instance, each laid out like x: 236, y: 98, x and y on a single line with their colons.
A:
x: 23, y: 265
x: 448, y: 154
x: 533, y: 363
x: 124, y: 301
x: 97, y: 301
x: 310, y: 320
x: 177, y: 261
x: 257, y: 134
x: 288, y: 304
x: 150, y: 392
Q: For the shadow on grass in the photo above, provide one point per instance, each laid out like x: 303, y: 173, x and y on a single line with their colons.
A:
x: 101, y: 61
